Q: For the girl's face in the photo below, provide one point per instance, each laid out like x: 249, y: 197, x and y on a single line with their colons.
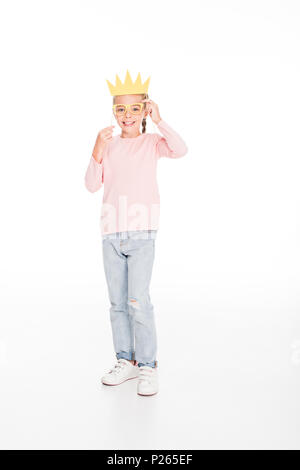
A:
x: 130, y: 123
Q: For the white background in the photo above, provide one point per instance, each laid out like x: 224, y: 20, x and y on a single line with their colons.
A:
x: 225, y: 285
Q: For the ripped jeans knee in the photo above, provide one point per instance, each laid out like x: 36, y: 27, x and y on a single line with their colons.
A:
x: 141, y: 309
x: 134, y: 303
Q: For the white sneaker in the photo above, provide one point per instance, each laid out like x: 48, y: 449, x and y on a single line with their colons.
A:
x: 148, y: 381
x: 122, y: 371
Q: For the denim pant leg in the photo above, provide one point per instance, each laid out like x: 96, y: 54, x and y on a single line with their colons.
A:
x: 140, y: 259
x: 116, y: 273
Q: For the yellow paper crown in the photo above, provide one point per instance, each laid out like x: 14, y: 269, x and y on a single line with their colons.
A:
x: 128, y: 87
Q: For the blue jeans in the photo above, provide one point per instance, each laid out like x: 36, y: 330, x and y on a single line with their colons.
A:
x: 128, y: 260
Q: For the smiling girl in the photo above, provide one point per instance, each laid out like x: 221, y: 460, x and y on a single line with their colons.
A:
x: 126, y: 166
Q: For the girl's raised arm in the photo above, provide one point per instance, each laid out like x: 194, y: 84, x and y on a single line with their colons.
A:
x: 94, y: 173
x: 171, y: 145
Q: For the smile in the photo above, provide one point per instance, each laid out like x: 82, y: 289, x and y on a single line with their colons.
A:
x: 129, y: 123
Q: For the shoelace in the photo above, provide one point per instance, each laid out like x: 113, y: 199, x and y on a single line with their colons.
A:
x: 118, y: 366
x: 145, y: 374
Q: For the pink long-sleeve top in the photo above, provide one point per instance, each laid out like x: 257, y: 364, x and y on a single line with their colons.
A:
x: 131, y: 199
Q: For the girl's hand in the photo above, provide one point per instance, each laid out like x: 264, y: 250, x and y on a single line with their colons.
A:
x: 153, y: 110
x: 104, y: 136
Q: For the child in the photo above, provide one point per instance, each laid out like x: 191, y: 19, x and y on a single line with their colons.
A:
x: 126, y: 165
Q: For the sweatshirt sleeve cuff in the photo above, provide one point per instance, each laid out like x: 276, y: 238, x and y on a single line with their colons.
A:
x: 95, y: 161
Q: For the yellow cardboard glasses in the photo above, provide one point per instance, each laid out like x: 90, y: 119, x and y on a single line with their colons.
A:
x: 134, y: 108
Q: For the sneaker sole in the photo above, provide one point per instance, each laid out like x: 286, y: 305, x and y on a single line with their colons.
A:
x: 119, y: 383
x: 147, y: 394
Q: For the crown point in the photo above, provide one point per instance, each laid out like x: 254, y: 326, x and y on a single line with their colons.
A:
x: 128, y: 87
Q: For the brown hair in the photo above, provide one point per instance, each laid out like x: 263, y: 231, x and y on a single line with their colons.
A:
x: 144, y: 97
